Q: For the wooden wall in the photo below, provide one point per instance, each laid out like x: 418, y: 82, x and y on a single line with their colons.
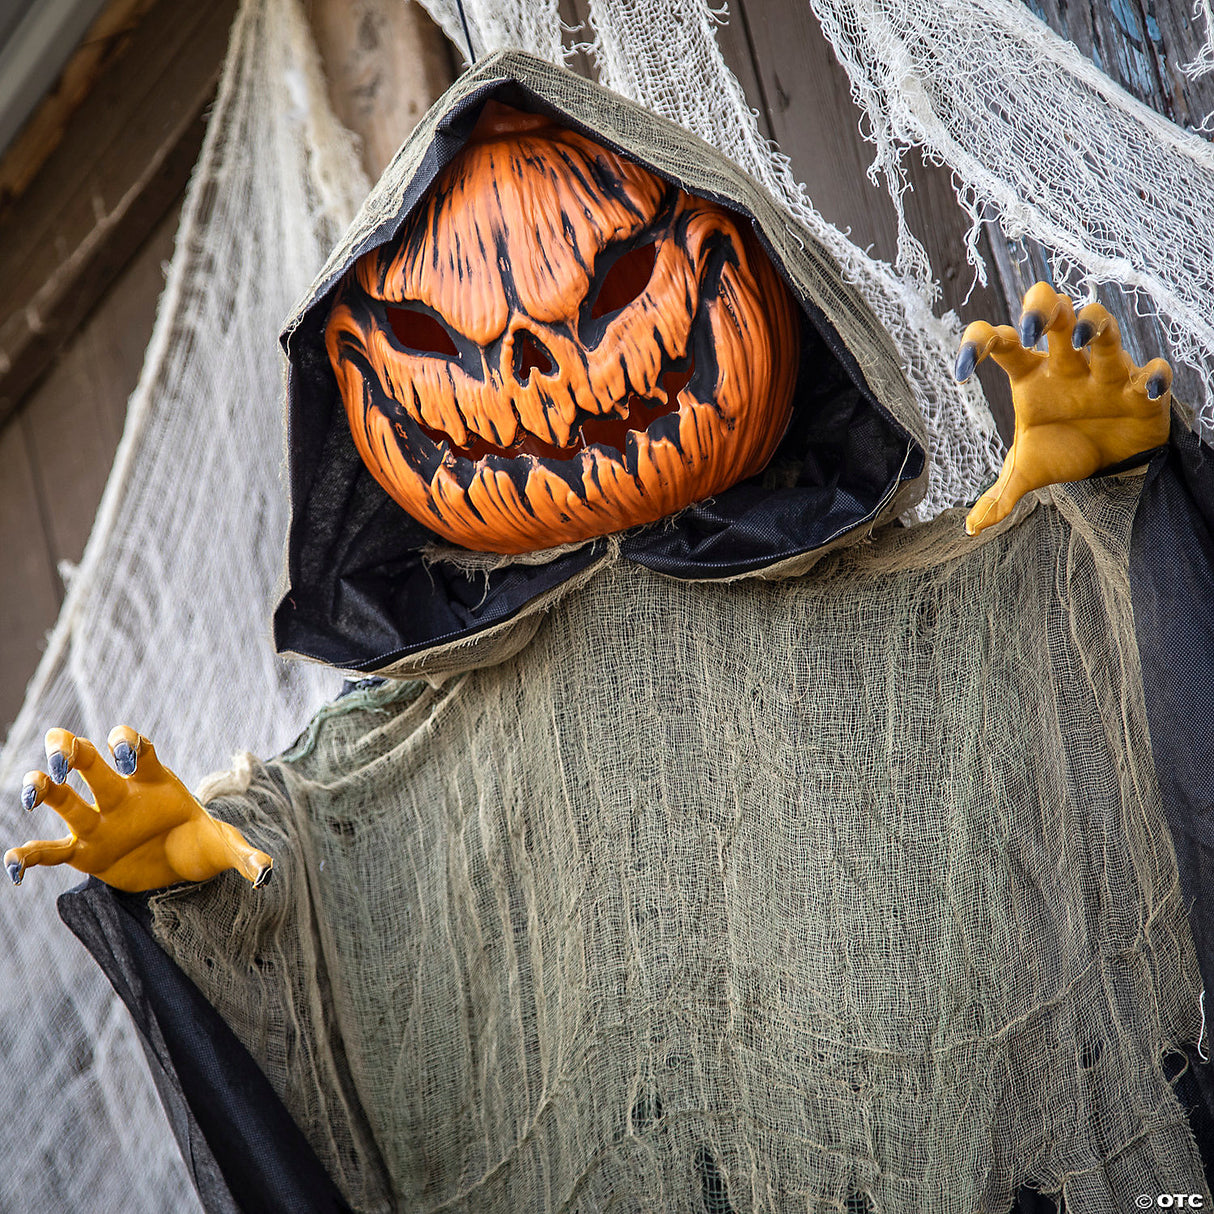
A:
x: 56, y: 451
x: 88, y: 206
x: 89, y: 202
x: 89, y: 194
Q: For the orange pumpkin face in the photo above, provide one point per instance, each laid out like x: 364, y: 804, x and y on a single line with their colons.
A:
x: 559, y: 345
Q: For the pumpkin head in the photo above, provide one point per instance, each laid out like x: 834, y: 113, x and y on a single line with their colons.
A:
x: 559, y: 345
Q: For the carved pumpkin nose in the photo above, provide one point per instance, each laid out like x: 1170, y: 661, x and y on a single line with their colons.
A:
x: 530, y: 354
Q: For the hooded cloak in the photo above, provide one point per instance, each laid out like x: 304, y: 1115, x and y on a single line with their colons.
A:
x: 763, y: 858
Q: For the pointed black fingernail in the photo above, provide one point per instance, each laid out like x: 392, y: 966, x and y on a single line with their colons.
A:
x: 263, y: 877
x: 1084, y: 332
x: 29, y: 797
x: 1032, y: 325
x: 59, y: 767
x: 124, y: 759
x: 1157, y: 385
x: 14, y: 872
x: 967, y: 360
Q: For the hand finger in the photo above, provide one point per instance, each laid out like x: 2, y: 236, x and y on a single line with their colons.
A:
x: 65, y: 752
x: 14, y: 863
x: 37, y: 788
x: 252, y: 864
x: 1155, y: 379
x: 60, y: 746
x: 134, y: 753
x: 204, y: 846
x: 1002, y: 344
x: 1038, y: 309
x: 38, y: 851
x: 1046, y: 311
x: 1096, y: 327
x: 976, y: 520
x: 997, y: 502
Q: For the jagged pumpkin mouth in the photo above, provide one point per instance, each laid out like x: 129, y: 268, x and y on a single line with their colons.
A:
x: 655, y: 415
x: 609, y: 430
x: 627, y: 277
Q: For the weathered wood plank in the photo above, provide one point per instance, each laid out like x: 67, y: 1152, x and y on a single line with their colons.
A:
x: 120, y: 166
x: 74, y: 418
x: 107, y: 38
x: 31, y: 596
x: 114, y: 340
x: 386, y: 62
x: 1142, y: 46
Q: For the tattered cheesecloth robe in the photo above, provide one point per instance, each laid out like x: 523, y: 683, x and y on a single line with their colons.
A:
x: 767, y: 858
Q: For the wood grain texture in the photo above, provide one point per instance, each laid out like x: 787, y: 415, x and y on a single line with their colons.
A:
x: 107, y: 38
x: 121, y: 164
x: 57, y: 453
x: 386, y: 62
x: 75, y: 417
x: 1142, y: 45
x: 31, y: 596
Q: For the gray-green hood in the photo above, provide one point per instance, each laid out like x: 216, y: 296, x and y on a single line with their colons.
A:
x: 365, y: 588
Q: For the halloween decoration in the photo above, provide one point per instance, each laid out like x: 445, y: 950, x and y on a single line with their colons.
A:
x: 559, y: 345
x: 706, y: 881
x: 1075, y: 412
x: 1073, y: 416
x: 144, y: 831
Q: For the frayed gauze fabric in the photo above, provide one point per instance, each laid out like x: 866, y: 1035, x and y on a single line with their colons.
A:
x: 838, y: 873
x: 276, y: 184
x: 165, y: 623
x: 854, y: 886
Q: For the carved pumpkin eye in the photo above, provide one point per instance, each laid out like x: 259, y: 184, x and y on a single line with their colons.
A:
x: 419, y: 331
x: 628, y: 277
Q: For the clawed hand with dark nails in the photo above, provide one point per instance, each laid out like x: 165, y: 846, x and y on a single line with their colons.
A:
x: 144, y: 829
x: 1081, y: 405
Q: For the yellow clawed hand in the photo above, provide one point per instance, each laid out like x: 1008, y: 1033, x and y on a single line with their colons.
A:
x: 1081, y: 407
x: 145, y: 831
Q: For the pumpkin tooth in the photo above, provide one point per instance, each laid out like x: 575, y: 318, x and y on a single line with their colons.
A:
x: 439, y: 410
x: 552, y: 501
x: 486, y: 426
x: 653, y: 473
x: 608, y: 453
x: 614, y: 384
x: 493, y: 496
x: 449, y: 499
x: 693, y: 442
x: 589, y: 479
x: 561, y: 414
x: 665, y: 428
x: 532, y: 416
